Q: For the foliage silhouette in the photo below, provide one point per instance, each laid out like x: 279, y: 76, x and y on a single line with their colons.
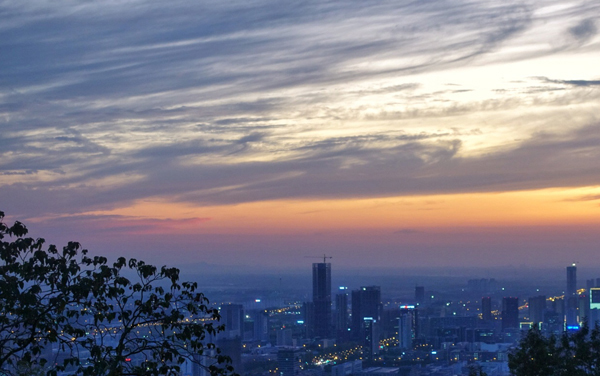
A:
x: 99, y: 321
x: 571, y: 354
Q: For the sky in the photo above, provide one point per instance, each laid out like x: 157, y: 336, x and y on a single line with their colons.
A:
x: 262, y: 133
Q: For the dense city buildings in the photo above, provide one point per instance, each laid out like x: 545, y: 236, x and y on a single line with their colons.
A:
x: 374, y: 332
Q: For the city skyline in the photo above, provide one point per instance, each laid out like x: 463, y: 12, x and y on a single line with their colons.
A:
x: 443, y: 134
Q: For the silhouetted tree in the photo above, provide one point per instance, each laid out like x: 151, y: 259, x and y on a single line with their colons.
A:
x: 536, y: 355
x: 572, y: 354
x: 100, y: 321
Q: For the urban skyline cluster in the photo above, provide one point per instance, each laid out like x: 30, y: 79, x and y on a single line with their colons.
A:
x: 343, y: 331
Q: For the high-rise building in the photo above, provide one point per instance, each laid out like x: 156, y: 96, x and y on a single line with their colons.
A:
x: 341, y: 314
x: 557, y: 305
x: 308, y: 314
x: 261, y: 325
x: 486, y: 308
x: 571, y: 297
x: 201, y: 363
x: 322, y: 299
x: 366, y: 302
x: 594, y: 306
x: 390, y: 318
x: 571, y: 280
x: 232, y: 347
x: 371, y: 337
x: 510, y: 313
x: 537, y: 306
x: 554, y: 323
x: 289, y: 361
x: 419, y: 294
x: 284, y: 338
x: 583, y: 308
x: 407, y: 326
x: 232, y: 316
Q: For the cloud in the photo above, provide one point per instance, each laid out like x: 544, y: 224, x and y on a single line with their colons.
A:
x: 350, y: 168
x: 212, y: 102
x: 585, y: 30
x: 582, y: 83
x: 585, y: 198
x: 226, y: 48
x: 123, y: 225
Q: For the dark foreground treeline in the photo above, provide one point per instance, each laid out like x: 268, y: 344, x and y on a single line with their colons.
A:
x: 64, y: 312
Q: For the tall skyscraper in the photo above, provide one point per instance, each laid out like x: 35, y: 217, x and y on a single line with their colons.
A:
x: 230, y: 340
x: 261, y: 325
x: 366, y: 302
x: 322, y: 299
x: 419, y: 294
x: 232, y: 316
x: 371, y: 337
x: 510, y: 313
x: 571, y: 280
x: 571, y: 297
x: 486, y: 308
x: 341, y: 314
x: 407, y: 326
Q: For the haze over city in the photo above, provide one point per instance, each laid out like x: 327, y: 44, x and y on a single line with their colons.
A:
x: 430, y: 134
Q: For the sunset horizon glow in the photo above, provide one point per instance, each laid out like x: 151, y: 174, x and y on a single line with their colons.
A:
x: 383, y: 133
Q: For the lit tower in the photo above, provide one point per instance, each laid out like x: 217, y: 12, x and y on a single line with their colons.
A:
x: 407, y: 326
x: 571, y: 296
